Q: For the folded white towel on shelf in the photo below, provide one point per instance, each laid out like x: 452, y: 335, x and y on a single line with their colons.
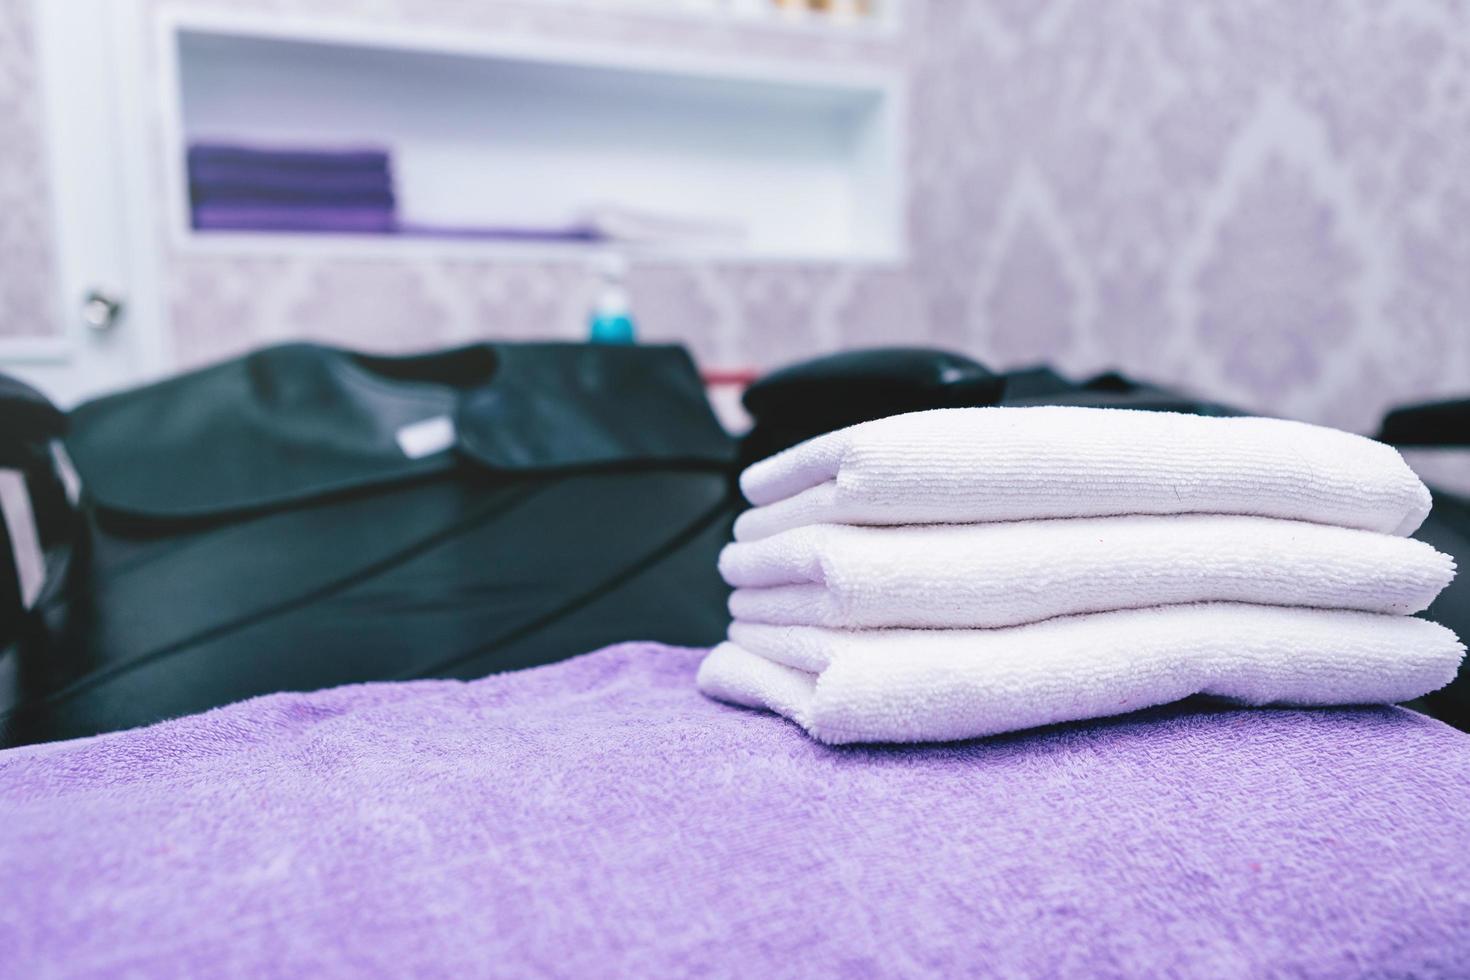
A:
x: 1005, y: 574
x: 969, y: 465
x: 937, y: 685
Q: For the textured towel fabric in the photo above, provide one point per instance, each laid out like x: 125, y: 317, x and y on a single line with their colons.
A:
x: 969, y: 465
x: 987, y: 575
x: 600, y: 818
x: 937, y: 685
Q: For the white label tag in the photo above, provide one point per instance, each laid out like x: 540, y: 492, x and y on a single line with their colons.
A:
x: 426, y: 438
x: 71, y: 482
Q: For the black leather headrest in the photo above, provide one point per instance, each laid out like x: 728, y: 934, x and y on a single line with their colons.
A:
x: 1445, y: 423
x: 27, y: 419
x: 299, y: 421
x: 816, y: 396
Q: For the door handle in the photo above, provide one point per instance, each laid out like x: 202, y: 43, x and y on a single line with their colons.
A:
x: 101, y: 310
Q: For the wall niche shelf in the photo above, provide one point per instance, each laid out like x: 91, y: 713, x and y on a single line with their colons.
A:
x: 857, y: 18
x: 805, y: 163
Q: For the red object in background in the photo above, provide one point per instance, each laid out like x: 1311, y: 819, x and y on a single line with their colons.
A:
x: 741, y: 376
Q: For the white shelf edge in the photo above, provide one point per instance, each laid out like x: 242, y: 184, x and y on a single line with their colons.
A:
x: 538, y: 48
x: 360, y: 247
x: 57, y: 348
x: 887, y: 83
x: 883, y: 27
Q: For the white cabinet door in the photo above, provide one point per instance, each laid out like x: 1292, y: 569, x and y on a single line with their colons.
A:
x: 90, y: 86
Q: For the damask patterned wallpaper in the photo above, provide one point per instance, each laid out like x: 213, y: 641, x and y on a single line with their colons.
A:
x: 1265, y: 200
x: 27, y: 270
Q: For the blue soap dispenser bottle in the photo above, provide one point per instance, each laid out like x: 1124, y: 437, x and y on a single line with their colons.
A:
x: 611, y: 320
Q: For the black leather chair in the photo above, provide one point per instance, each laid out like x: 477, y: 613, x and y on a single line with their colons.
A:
x: 29, y: 429
x: 1443, y: 426
x: 306, y: 516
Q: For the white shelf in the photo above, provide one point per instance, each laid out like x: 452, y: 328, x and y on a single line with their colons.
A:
x: 884, y: 20
x: 501, y: 131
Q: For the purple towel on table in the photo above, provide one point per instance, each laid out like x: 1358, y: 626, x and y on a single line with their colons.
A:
x: 599, y: 817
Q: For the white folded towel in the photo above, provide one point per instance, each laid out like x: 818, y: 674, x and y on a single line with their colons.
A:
x: 938, y: 685
x: 969, y: 465
x: 990, y: 575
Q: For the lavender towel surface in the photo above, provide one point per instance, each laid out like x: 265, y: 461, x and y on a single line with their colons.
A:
x: 599, y: 817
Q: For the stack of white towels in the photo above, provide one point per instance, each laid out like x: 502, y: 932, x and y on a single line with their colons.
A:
x: 965, y: 572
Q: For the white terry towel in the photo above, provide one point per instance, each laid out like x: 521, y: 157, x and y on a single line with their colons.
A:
x: 971, y: 465
x: 938, y: 685
x: 989, y: 575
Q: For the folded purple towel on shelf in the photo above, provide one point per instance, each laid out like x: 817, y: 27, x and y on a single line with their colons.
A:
x: 373, y: 160
x: 259, y: 189
x: 601, y: 817
x: 240, y: 217
x: 245, y: 195
x: 210, y: 176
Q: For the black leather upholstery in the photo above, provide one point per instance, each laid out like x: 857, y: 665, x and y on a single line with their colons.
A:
x: 1444, y: 425
x: 29, y: 426
x: 827, y: 393
x: 255, y: 527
